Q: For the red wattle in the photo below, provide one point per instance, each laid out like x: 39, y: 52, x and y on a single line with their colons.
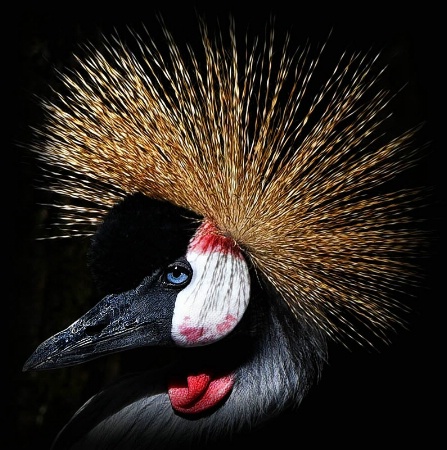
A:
x: 198, y: 392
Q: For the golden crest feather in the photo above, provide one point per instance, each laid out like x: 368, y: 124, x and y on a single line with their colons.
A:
x: 236, y: 135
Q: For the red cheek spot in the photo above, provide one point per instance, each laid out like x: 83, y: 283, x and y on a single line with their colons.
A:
x: 226, y: 325
x: 191, y: 334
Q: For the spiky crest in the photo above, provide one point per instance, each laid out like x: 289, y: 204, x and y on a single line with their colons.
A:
x: 233, y: 137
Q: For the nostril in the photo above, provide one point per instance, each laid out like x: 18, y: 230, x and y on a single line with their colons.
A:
x: 92, y: 330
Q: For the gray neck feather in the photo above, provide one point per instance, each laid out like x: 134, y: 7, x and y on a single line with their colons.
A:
x: 285, y: 359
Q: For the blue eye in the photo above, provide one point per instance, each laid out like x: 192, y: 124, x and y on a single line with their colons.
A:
x: 178, y: 275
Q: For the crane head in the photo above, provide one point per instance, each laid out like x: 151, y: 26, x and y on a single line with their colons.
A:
x: 189, y: 286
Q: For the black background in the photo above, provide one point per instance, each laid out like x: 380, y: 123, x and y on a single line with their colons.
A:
x: 366, y: 398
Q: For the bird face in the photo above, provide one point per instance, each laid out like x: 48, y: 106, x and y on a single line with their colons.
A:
x: 213, y: 303
x: 194, y: 300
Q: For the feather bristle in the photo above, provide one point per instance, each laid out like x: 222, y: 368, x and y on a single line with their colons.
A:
x: 294, y: 178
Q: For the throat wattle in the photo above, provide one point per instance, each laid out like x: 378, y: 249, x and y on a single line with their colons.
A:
x: 197, y: 393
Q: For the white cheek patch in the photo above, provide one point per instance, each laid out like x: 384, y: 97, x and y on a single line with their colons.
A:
x: 215, y: 300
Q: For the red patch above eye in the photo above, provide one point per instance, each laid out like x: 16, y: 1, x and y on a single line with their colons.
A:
x: 209, y: 239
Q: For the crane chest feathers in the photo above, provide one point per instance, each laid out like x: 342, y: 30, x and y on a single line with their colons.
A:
x: 239, y: 219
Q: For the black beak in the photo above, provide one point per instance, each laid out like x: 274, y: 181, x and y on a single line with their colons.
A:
x: 136, y: 318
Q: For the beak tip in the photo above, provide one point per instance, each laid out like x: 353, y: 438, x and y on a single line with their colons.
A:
x: 42, y: 358
x: 30, y: 364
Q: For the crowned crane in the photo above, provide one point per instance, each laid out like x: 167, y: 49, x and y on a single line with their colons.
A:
x: 239, y: 223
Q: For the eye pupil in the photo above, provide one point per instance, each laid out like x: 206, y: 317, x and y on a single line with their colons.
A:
x: 178, y: 275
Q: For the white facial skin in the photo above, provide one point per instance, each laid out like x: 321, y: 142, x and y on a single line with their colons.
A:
x: 215, y: 300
